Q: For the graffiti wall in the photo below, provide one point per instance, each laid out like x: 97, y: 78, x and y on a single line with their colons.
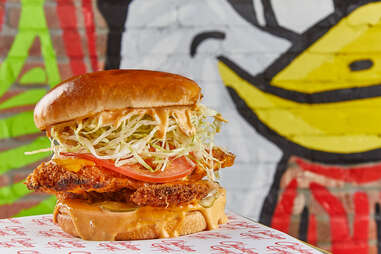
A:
x: 298, y: 80
x: 41, y: 43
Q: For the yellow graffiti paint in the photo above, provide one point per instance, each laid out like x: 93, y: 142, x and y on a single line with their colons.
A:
x: 324, y: 66
x: 340, y: 127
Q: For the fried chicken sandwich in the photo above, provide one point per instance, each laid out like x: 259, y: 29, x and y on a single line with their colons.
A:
x: 134, y: 156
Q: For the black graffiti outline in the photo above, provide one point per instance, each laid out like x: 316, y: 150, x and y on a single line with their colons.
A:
x: 246, y: 10
x: 201, y: 37
x: 262, y: 80
x: 115, y: 13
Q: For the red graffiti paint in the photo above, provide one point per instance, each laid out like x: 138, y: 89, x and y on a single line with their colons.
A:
x: 312, y: 230
x: 356, y: 174
x: 87, y: 11
x: 72, y: 40
x: 283, y: 210
x: 2, y: 13
x: 361, y: 223
x: 342, y: 242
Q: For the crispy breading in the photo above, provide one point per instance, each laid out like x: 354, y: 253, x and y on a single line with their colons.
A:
x: 172, y: 194
x: 52, y: 178
x: 94, y: 184
x: 122, y: 195
x: 225, y: 159
x: 157, y: 195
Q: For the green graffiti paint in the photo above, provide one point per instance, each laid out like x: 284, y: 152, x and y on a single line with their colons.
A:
x: 17, y: 125
x: 46, y: 206
x: 33, y: 76
x: 11, y: 193
x: 28, y: 97
x: 15, y: 158
x: 32, y: 24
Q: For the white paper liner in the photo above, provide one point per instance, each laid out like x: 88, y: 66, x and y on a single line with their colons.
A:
x: 38, y: 234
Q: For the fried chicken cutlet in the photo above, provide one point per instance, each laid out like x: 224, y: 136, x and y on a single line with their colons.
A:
x: 98, y: 183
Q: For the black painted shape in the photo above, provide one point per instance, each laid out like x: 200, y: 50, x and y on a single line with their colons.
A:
x: 305, y: 40
x: 347, y: 6
x: 199, y: 38
x: 302, y: 42
x: 269, y: 14
x: 259, y: 81
x: 289, y: 147
x: 377, y: 218
x: 360, y: 65
x: 246, y: 10
x: 271, y: 199
x: 303, y: 226
x: 115, y: 14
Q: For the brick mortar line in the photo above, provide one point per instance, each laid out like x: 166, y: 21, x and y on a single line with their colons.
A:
x: 11, y: 143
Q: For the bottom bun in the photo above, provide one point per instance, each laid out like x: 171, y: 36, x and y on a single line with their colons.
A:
x: 91, y: 222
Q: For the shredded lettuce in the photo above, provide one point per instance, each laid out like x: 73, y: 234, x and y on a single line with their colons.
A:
x: 134, y: 138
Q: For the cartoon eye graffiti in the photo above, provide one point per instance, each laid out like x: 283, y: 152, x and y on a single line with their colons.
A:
x: 360, y: 65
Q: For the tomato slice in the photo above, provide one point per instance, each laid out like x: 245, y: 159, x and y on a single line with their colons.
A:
x: 176, y: 169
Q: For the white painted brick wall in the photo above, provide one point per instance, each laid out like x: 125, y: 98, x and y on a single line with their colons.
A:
x: 159, y: 35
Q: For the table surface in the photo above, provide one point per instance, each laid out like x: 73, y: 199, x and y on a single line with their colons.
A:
x: 38, y: 234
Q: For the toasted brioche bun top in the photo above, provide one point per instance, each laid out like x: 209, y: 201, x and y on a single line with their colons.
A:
x: 91, y: 93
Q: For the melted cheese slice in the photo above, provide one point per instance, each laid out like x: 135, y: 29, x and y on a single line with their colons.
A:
x: 73, y: 164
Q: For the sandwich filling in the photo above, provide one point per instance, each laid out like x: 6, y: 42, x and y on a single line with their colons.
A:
x: 158, y: 157
x: 149, y: 137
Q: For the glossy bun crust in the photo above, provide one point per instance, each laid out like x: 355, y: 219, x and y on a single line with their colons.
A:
x: 90, y: 93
